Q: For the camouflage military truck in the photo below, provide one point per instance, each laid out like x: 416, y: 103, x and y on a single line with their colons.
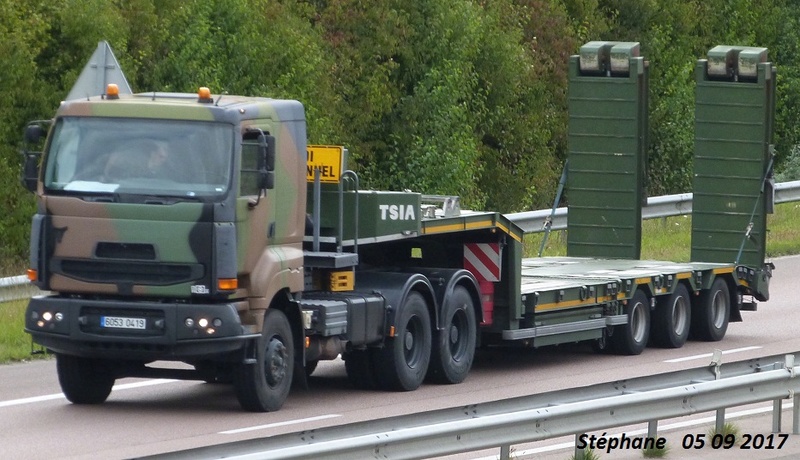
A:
x: 203, y: 229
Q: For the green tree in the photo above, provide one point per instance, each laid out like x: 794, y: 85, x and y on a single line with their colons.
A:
x: 364, y: 40
x: 786, y: 54
x: 463, y: 97
x: 22, y: 31
x: 248, y: 47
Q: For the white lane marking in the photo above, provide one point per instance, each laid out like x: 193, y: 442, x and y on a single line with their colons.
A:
x: 124, y: 386
x: 708, y: 355
x: 35, y: 399
x: 277, y: 424
x: 661, y: 430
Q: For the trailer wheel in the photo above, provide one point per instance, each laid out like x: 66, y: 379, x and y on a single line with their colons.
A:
x: 454, y: 346
x: 264, y: 385
x: 84, y: 380
x: 631, y: 338
x: 672, y: 319
x: 402, y: 363
x: 359, y: 367
x: 710, y: 319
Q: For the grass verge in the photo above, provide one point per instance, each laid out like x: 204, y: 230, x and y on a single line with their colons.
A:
x: 15, y: 344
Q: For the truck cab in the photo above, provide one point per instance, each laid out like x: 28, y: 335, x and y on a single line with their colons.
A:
x: 167, y: 224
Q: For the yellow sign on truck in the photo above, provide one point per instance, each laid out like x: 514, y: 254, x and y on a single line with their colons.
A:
x: 326, y: 158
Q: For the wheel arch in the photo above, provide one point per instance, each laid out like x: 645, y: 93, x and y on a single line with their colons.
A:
x: 395, y: 287
x: 284, y: 302
x: 735, y: 313
x: 444, y: 282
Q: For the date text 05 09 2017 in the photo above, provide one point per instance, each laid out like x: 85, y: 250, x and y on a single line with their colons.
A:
x: 745, y: 441
x: 690, y: 441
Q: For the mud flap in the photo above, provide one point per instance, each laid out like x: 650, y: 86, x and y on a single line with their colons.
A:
x: 299, y: 378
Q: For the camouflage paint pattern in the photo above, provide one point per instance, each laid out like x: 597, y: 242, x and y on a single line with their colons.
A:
x: 268, y: 235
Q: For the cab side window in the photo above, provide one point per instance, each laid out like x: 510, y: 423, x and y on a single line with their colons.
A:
x: 250, y: 174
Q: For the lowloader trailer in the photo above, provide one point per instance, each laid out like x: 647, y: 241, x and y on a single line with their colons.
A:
x: 204, y: 230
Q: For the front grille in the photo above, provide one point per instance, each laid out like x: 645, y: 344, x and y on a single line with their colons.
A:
x: 128, y: 272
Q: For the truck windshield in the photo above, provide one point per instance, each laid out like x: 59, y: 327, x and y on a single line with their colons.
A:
x: 175, y: 158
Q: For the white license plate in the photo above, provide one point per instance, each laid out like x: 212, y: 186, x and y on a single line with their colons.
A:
x: 122, y: 322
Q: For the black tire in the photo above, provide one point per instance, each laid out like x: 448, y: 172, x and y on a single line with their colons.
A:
x: 264, y: 386
x: 360, y: 370
x: 631, y: 338
x: 402, y: 363
x: 454, y: 346
x: 672, y: 319
x: 84, y: 380
x: 712, y: 312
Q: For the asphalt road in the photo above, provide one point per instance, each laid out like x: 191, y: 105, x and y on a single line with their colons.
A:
x: 145, y: 417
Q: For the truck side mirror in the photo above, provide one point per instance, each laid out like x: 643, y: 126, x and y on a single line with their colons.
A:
x: 30, y: 170
x: 266, y: 158
x: 34, y: 133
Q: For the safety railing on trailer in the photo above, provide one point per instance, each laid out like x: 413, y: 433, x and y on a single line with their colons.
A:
x: 502, y: 424
x: 17, y: 287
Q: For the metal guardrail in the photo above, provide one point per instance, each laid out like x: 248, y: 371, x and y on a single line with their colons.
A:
x: 658, y: 206
x: 501, y: 424
x: 17, y: 287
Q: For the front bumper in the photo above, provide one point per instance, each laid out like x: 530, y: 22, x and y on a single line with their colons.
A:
x: 137, y: 330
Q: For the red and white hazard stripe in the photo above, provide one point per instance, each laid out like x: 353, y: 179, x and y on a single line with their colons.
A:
x: 483, y: 260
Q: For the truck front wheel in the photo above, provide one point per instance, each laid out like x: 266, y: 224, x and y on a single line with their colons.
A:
x: 263, y: 386
x: 403, y: 362
x: 84, y: 380
x: 454, y: 345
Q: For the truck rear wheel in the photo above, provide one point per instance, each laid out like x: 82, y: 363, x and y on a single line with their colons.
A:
x: 671, y: 319
x: 454, y: 345
x: 631, y: 338
x: 264, y: 385
x: 403, y: 361
x: 84, y: 380
x: 710, y: 318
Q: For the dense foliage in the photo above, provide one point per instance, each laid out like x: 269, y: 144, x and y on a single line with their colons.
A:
x: 462, y: 97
